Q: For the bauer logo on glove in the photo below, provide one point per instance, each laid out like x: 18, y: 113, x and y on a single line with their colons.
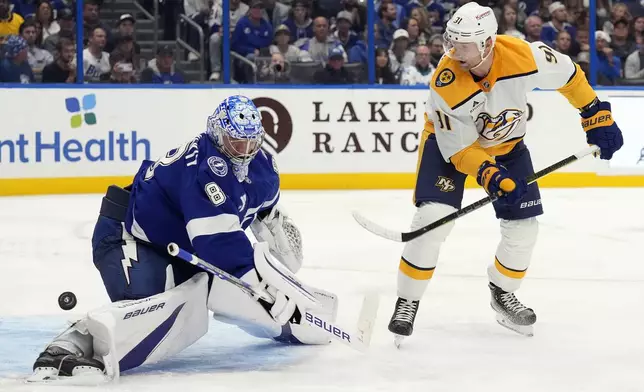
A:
x: 601, y: 130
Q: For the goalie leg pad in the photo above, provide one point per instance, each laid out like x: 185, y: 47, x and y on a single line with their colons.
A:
x: 513, y: 255
x: 420, y: 256
x: 282, y: 320
x: 128, y: 334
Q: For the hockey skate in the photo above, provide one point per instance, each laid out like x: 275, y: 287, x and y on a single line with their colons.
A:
x: 57, y: 364
x: 402, y: 321
x: 511, y: 313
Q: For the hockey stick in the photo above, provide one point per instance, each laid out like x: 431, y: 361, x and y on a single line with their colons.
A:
x: 359, y: 340
x: 408, y: 236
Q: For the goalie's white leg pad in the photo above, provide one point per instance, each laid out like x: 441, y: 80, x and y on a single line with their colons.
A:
x: 420, y: 256
x: 513, y: 255
x: 231, y: 305
x: 305, y: 333
x: 128, y: 334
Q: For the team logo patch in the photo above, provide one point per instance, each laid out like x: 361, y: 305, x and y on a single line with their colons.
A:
x: 218, y: 166
x: 445, y: 184
x: 498, y: 127
x: 445, y: 77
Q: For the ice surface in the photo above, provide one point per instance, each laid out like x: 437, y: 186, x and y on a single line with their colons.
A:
x: 586, y: 283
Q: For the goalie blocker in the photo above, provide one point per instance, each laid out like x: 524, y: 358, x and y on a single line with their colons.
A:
x: 160, y: 305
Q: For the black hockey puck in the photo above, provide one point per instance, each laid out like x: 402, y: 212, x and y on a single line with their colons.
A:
x: 67, y: 300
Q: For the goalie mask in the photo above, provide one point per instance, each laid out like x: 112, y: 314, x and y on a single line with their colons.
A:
x: 236, y: 129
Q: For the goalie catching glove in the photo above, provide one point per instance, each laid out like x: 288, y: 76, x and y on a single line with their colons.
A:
x: 281, y: 234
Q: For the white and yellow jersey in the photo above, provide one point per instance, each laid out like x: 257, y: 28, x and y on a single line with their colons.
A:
x: 475, y: 120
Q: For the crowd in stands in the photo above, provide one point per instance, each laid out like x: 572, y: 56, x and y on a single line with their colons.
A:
x: 300, y: 41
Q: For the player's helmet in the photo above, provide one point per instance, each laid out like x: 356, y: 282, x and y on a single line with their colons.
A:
x: 470, y: 23
x: 236, y: 129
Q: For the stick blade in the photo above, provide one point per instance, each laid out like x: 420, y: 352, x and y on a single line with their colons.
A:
x: 376, y: 228
x: 367, y: 319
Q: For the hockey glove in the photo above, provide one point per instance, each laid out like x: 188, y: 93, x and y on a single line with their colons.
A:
x: 601, y: 130
x: 496, y: 180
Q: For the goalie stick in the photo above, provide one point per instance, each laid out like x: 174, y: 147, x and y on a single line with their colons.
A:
x: 398, y: 236
x: 358, y: 340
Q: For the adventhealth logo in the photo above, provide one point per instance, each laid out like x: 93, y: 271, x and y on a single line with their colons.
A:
x: 74, y: 106
x: 96, y: 144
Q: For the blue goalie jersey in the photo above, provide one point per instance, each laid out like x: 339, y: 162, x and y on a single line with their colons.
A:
x: 192, y: 197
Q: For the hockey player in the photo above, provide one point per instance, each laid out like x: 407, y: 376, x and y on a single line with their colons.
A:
x: 202, y: 196
x: 475, y: 122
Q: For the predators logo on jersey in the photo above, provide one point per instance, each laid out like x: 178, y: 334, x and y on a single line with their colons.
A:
x: 498, y: 127
x: 445, y: 78
x: 445, y: 184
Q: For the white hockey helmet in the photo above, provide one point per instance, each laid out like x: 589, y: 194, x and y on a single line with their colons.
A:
x: 470, y: 23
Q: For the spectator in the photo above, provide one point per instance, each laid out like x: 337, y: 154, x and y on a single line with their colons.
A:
x: 386, y: 26
x: 91, y: 21
x: 359, y: 12
x: 275, y: 72
x: 96, y: 62
x: 558, y: 23
x: 343, y: 32
x: 14, y: 68
x: 359, y: 51
x: 609, y: 67
x: 252, y: 32
x: 634, y: 67
x: 638, y: 29
x: 121, y: 70
x: 421, y: 15
x: 125, y: 28
x: 161, y: 69
x: 401, y: 13
x: 619, y: 11
x: 45, y: 15
x: 237, y: 11
x: 289, y: 52
x: 436, y: 49
x: 508, y: 23
x: 399, y: 56
x: 299, y: 23
x: 67, y: 30
x: 434, y: 9
x: 9, y: 21
x: 383, y: 68
x: 416, y: 37
x: 63, y: 69
x: 321, y: 44
x: 275, y: 13
x: 583, y: 59
x: 583, y: 40
x: 421, y: 73
x: 125, y: 48
x: 334, y: 72
x: 563, y: 43
x: 620, y: 42
x: 37, y: 58
x: 533, y: 27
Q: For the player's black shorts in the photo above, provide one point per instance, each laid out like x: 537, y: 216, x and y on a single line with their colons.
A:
x: 439, y: 181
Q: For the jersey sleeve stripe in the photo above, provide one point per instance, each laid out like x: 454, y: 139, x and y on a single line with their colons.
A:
x: 210, y: 225
x: 465, y: 100
x: 520, y: 75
